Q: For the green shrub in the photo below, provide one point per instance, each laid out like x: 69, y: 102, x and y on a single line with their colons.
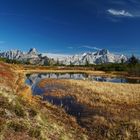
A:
x: 111, y: 67
x: 11, y: 61
x: 35, y: 132
x: 17, y: 126
x: 19, y: 111
x: 134, y: 70
x: 32, y: 112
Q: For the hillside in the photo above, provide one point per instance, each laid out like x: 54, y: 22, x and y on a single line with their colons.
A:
x: 103, y: 110
x: 24, y: 117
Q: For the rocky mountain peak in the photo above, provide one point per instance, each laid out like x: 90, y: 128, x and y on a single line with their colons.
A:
x: 33, y: 51
x: 103, y: 52
x: 99, y: 57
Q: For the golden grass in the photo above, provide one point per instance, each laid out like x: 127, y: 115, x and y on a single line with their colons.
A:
x: 115, y: 107
x: 21, y: 119
x: 111, y: 92
x: 124, y: 93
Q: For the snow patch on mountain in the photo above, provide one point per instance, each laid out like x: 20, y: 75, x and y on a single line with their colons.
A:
x: 56, y: 56
x: 32, y: 56
x: 101, y: 56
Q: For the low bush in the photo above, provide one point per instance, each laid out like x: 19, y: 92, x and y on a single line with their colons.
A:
x: 111, y: 67
x: 18, y: 126
x: 32, y: 112
x: 19, y: 111
x: 134, y: 70
x: 35, y: 132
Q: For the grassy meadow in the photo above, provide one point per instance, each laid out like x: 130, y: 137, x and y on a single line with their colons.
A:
x: 114, y: 108
x: 25, y: 117
x: 110, y: 110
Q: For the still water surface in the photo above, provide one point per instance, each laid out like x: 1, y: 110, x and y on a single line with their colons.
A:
x: 68, y: 103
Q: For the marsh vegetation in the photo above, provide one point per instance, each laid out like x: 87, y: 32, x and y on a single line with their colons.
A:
x: 105, y: 110
x: 66, y: 108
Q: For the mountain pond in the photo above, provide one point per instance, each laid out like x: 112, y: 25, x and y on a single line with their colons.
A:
x: 68, y: 103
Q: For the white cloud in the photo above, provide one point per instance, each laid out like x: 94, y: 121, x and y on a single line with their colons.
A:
x: 86, y: 46
x: 121, y: 13
x: 90, y: 47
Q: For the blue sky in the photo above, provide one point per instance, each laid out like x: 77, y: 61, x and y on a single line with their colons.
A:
x: 70, y: 26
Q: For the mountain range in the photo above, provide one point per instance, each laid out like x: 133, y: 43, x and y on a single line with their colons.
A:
x: 99, y: 57
x: 33, y: 57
